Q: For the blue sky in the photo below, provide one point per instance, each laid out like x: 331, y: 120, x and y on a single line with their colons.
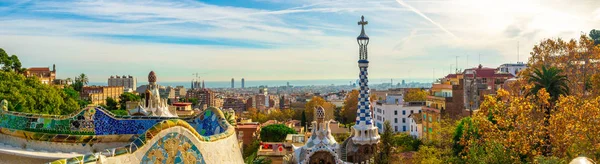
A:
x: 281, y: 39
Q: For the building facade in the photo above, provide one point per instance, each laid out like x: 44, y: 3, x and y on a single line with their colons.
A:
x: 512, y: 68
x: 97, y: 94
x: 238, y: 105
x: 45, y: 75
x: 396, y: 111
x: 416, y: 125
x: 205, y: 96
x: 232, y: 83
x: 128, y: 82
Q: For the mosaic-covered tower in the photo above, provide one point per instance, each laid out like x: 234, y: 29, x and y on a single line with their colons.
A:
x: 364, y: 131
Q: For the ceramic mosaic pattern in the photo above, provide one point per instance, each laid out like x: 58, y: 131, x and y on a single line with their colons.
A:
x: 206, y: 124
x: 81, y: 123
x: 107, y: 125
x: 96, y: 122
x: 173, y: 148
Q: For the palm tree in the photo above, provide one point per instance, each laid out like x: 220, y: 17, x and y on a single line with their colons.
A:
x: 550, y: 79
x: 230, y: 117
x: 556, y: 85
x: 83, y: 78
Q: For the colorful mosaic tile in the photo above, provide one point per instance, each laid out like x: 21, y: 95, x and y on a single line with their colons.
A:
x: 173, y: 148
x: 96, y: 121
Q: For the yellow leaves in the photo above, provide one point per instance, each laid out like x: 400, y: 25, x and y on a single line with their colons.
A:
x: 543, y: 97
x: 415, y: 95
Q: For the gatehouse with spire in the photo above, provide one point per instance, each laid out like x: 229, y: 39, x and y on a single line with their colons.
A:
x: 361, y: 146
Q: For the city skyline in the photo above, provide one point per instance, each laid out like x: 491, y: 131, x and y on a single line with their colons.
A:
x: 273, y: 40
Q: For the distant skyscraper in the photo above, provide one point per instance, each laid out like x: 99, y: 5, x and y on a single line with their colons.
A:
x: 232, y: 83
x: 243, y: 85
x: 403, y: 82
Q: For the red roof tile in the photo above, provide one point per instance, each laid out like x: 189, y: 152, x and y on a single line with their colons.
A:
x: 39, y: 69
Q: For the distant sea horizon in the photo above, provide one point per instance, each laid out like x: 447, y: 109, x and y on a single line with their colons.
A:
x: 276, y: 83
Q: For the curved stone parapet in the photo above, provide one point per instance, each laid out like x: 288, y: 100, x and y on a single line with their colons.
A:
x: 92, y: 130
x: 170, y: 141
x: 93, y: 125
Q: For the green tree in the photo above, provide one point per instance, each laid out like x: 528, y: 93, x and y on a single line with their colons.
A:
x: 275, y: 133
x: 111, y: 103
x: 303, y: 121
x: 595, y: 35
x: 550, y: 79
x: 385, y: 146
x: 83, y: 79
x: 31, y: 96
x: 16, y: 64
x: 75, y: 95
x: 194, y: 101
x: 555, y: 84
x: 125, y: 97
x: 230, y: 117
x: 80, y: 82
x: 5, y: 60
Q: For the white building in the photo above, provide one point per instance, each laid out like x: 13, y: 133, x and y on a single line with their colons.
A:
x: 396, y: 111
x: 416, y: 125
x: 512, y: 68
x: 128, y: 82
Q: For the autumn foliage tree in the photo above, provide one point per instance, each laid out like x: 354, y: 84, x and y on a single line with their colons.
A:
x: 415, y: 95
x: 309, y: 108
x: 577, y: 58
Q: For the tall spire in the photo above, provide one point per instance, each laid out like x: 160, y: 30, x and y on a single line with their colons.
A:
x: 364, y: 131
x: 362, y: 39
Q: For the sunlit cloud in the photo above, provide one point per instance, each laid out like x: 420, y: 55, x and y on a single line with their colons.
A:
x: 279, y: 40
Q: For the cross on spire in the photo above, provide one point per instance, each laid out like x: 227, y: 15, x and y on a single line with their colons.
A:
x: 363, y: 22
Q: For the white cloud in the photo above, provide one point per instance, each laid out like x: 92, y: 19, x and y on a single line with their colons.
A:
x: 314, y: 40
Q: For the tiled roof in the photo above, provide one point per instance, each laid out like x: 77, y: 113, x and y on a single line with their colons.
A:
x: 417, y: 117
x: 39, y: 69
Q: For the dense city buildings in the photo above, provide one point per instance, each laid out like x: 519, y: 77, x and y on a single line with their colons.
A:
x: 97, y: 94
x: 204, y: 96
x: 237, y: 104
x: 481, y: 81
x: 129, y: 83
x: 44, y: 74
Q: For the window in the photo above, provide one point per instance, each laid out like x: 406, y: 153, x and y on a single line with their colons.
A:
x: 403, y: 112
x: 403, y: 120
x: 403, y: 128
x: 395, y: 120
x: 484, y: 80
x: 429, y: 118
x: 396, y: 128
x: 395, y: 112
